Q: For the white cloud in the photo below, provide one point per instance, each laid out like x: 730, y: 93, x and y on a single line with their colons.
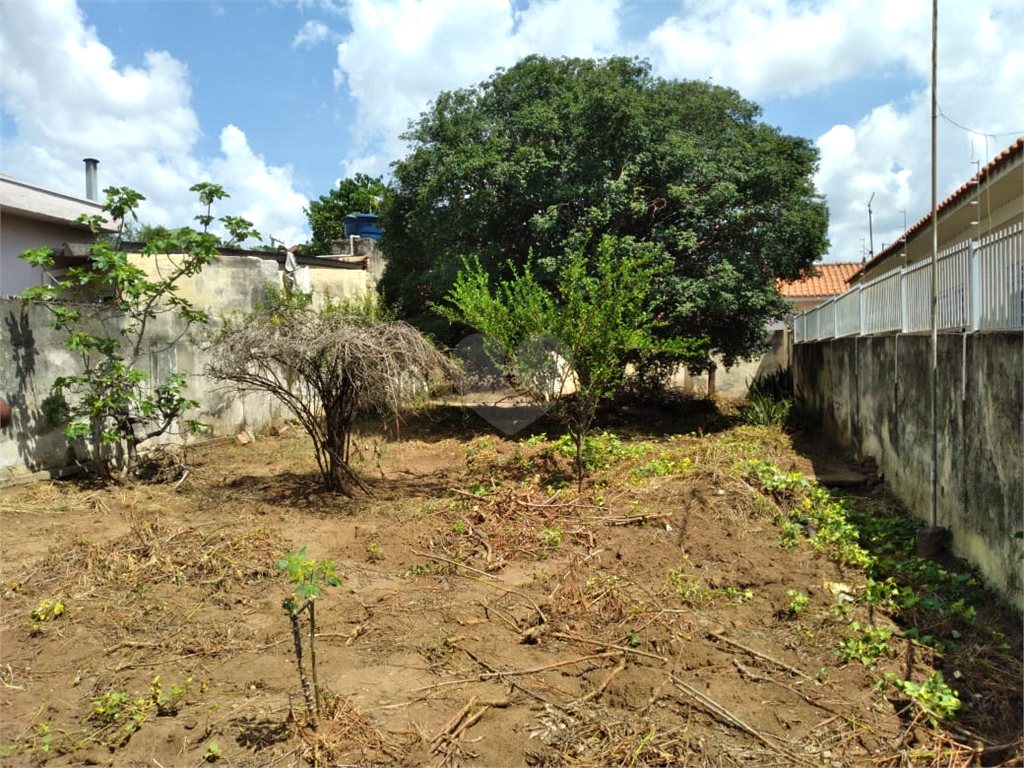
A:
x: 400, y: 55
x: 69, y: 99
x: 764, y: 48
x: 313, y: 33
x: 259, y: 192
x: 888, y: 151
x: 772, y: 49
x: 332, y: 6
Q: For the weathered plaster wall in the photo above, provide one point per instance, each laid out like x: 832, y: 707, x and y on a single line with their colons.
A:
x: 734, y: 381
x: 37, y: 357
x: 875, y: 396
x: 229, y: 283
x: 237, y: 281
x: 341, y: 283
x: 34, y: 357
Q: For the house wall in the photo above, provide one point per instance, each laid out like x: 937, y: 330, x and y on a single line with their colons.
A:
x: 874, y: 393
x: 34, y: 357
x: 37, y: 356
x: 732, y: 383
x: 1000, y: 204
x: 226, y: 284
x: 18, y: 234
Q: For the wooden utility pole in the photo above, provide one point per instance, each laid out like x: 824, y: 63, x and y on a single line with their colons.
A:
x: 935, y: 270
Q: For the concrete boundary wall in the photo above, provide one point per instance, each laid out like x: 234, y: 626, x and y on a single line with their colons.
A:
x: 33, y: 356
x: 874, y: 393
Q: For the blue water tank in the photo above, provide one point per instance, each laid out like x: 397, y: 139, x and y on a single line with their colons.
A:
x: 362, y: 225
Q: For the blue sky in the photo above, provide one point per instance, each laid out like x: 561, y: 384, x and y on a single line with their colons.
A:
x: 277, y: 100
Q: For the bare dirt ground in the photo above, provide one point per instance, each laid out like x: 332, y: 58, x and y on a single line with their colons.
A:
x: 489, y: 614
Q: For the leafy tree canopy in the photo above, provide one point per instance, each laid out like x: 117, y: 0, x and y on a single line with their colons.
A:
x: 359, y: 194
x: 553, y: 155
x: 138, y: 232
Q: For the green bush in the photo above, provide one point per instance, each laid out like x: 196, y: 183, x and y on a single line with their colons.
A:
x: 777, y: 385
x: 934, y: 696
x: 764, y: 411
x: 769, y: 399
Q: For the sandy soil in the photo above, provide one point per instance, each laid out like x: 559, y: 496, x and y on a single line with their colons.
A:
x: 488, y: 614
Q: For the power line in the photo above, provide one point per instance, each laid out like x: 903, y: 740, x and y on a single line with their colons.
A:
x: 948, y: 119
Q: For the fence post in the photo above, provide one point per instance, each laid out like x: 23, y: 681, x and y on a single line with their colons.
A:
x: 974, y: 286
x: 860, y: 310
x: 903, y: 300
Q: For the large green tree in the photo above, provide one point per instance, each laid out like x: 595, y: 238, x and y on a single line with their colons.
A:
x: 358, y: 194
x: 553, y: 155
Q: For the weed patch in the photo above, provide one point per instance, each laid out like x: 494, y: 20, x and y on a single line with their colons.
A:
x: 935, y: 606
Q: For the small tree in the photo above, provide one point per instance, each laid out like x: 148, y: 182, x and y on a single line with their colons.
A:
x: 108, y: 307
x: 327, y: 366
x: 309, y: 577
x: 599, y: 315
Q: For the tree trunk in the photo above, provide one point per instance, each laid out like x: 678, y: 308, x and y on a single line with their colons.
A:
x: 579, y: 462
x: 306, y: 693
x: 338, y: 474
x: 101, y: 466
x: 312, y: 656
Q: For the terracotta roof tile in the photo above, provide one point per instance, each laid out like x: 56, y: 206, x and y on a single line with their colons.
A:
x: 831, y: 280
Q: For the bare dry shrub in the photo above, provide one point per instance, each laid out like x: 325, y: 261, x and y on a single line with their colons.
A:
x: 327, y: 366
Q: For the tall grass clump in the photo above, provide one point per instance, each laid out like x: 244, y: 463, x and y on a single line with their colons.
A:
x: 769, y: 399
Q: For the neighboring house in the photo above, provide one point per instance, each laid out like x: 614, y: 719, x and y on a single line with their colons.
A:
x: 33, y: 217
x: 920, y: 368
x: 831, y: 280
x: 805, y: 294
x: 979, y: 280
x: 991, y: 201
x: 236, y: 281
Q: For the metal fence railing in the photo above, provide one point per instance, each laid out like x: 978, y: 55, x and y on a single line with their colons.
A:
x: 980, y: 288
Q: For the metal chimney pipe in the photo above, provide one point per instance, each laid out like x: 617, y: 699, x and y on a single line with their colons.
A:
x: 90, y: 178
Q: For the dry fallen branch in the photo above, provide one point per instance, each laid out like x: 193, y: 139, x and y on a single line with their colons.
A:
x: 595, y: 694
x: 729, y: 718
x: 602, y: 644
x: 540, y: 613
x: 452, y: 724
x: 758, y: 654
x: 456, y: 563
x: 446, y: 742
x: 614, y: 521
x: 515, y: 672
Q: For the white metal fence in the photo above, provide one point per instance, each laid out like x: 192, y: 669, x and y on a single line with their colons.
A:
x: 980, y: 288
